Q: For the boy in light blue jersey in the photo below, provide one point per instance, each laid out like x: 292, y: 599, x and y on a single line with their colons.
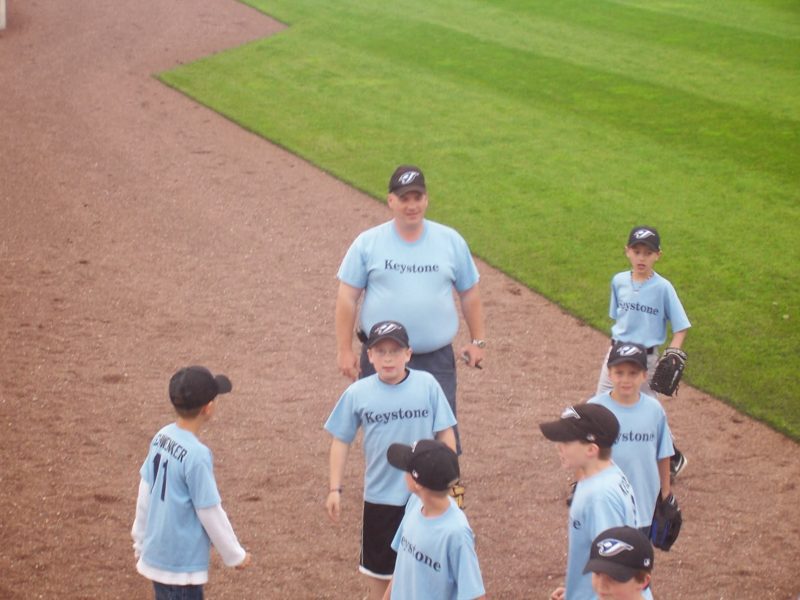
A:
x: 435, y: 545
x: 396, y: 404
x: 642, y: 304
x: 178, y: 510
x: 644, y: 445
x: 603, y: 495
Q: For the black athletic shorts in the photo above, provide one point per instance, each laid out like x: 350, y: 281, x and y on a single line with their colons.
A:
x: 379, y: 525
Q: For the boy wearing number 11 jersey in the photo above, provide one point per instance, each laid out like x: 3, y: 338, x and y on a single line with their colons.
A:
x: 179, y: 511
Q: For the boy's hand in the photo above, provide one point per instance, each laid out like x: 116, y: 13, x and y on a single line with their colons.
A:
x: 558, y: 593
x: 333, y: 505
x: 245, y: 563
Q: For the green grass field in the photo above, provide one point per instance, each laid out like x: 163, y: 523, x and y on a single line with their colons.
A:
x: 547, y: 129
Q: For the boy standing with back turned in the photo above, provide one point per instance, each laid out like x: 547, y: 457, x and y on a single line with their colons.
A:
x: 178, y: 511
x: 642, y: 303
x: 396, y: 404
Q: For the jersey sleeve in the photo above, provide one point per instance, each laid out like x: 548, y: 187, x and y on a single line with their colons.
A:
x: 466, y: 272
x: 200, y: 480
x: 464, y: 566
x: 665, y: 447
x: 344, y: 421
x: 674, y: 310
x: 443, y: 414
x: 353, y: 270
x: 612, y: 304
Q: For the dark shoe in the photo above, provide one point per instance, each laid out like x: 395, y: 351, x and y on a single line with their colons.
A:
x: 677, y: 464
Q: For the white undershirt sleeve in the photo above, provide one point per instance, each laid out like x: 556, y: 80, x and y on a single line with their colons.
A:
x: 140, y: 521
x: 219, y: 529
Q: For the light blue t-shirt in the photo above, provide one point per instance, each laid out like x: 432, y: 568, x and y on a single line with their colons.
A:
x: 435, y: 556
x: 641, y: 313
x: 644, y: 438
x: 411, y: 410
x: 411, y: 282
x: 601, y: 501
x: 179, y: 470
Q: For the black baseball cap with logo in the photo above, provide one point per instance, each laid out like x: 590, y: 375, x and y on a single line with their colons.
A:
x: 622, y: 352
x: 642, y: 234
x: 620, y: 552
x: 407, y: 178
x: 388, y: 330
x: 584, y: 423
x: 431, y: 463
x: 193, y: 387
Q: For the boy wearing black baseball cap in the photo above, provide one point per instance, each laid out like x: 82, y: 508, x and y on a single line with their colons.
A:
x: 396, y: 404
x: 621, y: 563
x: 179, y: 510
x: 435, y: 545
x: 644, y: 447
x: 603, y: 496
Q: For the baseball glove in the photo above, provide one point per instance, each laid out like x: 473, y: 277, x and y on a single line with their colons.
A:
x: 457, y: 492
x: 667, y: 521
x: 668, y: 372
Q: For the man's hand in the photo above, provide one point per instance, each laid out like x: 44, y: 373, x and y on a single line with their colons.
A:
x: 472, y: 355
x: 348, y: 364
x: 558, y: 593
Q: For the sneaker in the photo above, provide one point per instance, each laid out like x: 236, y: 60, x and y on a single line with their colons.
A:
x: 677, y: 464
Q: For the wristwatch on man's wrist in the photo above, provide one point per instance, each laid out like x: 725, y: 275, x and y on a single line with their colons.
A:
x: 479, y: 343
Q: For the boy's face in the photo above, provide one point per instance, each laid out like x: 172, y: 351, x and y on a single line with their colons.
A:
x: 642, y: 259
x: 574, y: 455
x: 389, y: 359
x: 608, y: 588
x: 627, y: 378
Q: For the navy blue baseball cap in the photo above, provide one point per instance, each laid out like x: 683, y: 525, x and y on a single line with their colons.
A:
x: 620, y: 552
x: 642, y: 234
x: 193, y: 387
x: 431, y: 463
x: 623, y: 352
x: 584, y: 423
x: 407, y: 178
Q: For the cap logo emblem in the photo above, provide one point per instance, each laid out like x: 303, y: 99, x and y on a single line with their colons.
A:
x: 414, y: 474
x: 611, y: 547
x: 628, y: 350
x: 570, y: 413
x: 641, y: 234
x: 646, y: 562
x: 386, y: 328
x: 408, y: 177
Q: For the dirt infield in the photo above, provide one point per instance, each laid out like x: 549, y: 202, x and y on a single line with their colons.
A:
x: 141, y: 232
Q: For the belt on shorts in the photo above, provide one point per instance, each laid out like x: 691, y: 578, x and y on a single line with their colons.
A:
x: 650, y: 350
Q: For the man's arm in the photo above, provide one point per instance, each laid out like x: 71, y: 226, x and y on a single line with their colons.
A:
x: 139, y: 528
x: 447, y: 436
x: 663, y: 476
x: 472, y: 308
x: 345, y: 316
x: 338, y: 458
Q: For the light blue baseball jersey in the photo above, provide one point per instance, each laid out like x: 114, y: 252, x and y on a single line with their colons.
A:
x: 435, y: 556
x: 179, y: 470
x: 644, y: 439
x: 601, y: 501
x: 411, y: 410
x: 642, y: 313
x: 411, y: 282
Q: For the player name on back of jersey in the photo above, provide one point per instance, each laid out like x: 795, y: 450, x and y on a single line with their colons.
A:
x: 167, y: 444
x: 390, y: 265
x: 385, y: 417
x: 638, y: 307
